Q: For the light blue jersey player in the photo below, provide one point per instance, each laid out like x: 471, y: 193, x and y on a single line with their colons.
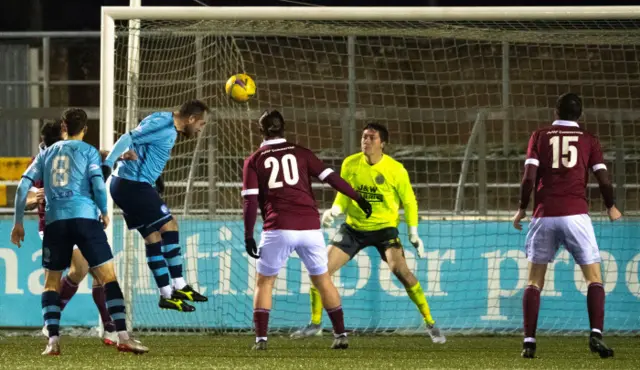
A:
x: 76, y: 204
x: 143, y: 209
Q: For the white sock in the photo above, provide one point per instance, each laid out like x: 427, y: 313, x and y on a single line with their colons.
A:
x: 165, y: 291
x: 123, y: 335
x: 179, y: 283
x: 53, y: 339
x: 529, y: 340
x: 260, y: 339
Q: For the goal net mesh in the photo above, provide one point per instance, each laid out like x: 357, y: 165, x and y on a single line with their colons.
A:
x: 430, y: 83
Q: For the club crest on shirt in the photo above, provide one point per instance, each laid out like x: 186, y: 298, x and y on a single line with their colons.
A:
x: 164, y: 209
x: 379, y: 179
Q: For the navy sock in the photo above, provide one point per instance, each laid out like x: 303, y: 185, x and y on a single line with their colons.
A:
x: 51, y: 312
x: 171, y: 253
x: 157, y: 264
x: 115, y: 305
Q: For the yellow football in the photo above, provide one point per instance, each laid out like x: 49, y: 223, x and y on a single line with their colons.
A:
x: 240, y: 87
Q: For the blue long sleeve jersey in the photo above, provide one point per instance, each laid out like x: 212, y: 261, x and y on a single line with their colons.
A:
x: 152, y: 141
x: 73, y: 182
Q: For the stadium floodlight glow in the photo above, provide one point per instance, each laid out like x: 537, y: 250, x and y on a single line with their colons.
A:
x: 440, y: 78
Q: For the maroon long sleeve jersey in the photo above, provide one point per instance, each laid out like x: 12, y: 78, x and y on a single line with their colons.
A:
x: 279, y: 174
x: 563, y: 154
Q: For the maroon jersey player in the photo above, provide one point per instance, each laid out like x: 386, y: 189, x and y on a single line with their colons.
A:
x: 277, y: 179
x: 558, y: 162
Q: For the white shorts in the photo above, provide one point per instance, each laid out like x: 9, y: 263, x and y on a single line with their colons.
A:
x: 574, y: 232
x: 277, y: 245
x: 41, y: 233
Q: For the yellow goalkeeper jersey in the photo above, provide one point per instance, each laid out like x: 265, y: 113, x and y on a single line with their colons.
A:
x: 385, y: 185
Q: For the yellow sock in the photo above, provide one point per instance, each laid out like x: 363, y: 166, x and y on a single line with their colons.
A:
x: 316, y: 306
x: 417, y: 296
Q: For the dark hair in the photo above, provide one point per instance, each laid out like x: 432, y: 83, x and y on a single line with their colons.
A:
x: 51, y: 132
x: 569, y: 107
x: 75, y: 119
x: 382, y: 131
x: 193, y: 108
x: 271, y: 123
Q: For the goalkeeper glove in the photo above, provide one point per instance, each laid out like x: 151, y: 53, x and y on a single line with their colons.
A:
x: 329, y: 215
x: 251, y: 248
x: 415, y: 240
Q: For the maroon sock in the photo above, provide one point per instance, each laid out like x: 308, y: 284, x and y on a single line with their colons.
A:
x: 67, y: 289
x: 337, y: 319
x: 595, y: 306
x: 530, y: 309
x: 101, y: 304
x: 261, y: 322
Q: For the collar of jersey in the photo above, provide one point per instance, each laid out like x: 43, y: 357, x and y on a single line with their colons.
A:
x: 363, y: 158
x: 560, y: 122
x: 273, y: 142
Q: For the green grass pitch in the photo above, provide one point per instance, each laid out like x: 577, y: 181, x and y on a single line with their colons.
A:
x: 365, y: 352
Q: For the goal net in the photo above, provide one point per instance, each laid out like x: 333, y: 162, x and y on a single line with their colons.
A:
x: 460, y: 99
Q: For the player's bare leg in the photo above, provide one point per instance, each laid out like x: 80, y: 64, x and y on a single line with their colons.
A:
x: 262, y: 301
x: 116, y: 306
x: 337, y: 259
x: 51, y: 311
x: 595, y: 306
x: 331, y: 301
x: 398, y: 265
x: 531, y: 307
x: 158, y: 266
x: 173, y: 256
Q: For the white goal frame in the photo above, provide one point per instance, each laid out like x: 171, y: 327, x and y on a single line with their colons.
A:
x: 291, y: 13
x: 297, y: 13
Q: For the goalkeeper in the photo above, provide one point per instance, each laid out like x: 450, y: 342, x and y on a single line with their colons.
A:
x: 384, y: 182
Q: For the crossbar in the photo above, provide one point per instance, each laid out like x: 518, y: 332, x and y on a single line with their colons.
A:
x: 300, y: 13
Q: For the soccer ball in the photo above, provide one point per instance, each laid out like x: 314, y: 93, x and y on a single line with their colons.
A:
x: 240, y: 87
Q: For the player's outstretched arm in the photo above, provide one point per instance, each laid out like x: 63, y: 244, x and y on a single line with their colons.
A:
x: 338, y: 183
x: 119, y: 148
x: 318, y: 169
x: 340, y: 204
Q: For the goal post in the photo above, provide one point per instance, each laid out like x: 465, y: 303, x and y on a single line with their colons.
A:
x: 460, y: 89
